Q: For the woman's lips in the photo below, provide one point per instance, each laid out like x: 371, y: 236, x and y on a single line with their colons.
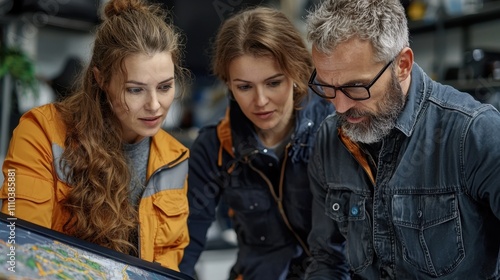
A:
x: 264, y: 115
x: 151, y: 122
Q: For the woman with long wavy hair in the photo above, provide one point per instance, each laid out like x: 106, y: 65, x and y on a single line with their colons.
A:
x: 97, y: 165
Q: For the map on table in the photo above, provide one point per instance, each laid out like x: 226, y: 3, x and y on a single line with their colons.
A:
x: 28, y: 251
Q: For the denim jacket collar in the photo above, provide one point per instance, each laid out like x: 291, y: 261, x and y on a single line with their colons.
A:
x: 307, y: 120
x: 420, y: 87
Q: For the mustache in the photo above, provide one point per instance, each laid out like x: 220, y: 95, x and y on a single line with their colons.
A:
x: 354, y: 113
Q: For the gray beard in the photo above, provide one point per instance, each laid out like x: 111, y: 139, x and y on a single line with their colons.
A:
x: 376, y: 126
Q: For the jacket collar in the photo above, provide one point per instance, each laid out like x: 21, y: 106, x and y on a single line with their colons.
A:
x: 418, y: 92
x: 165, y: 151
x: 414, y: 105
x: 239, y: 138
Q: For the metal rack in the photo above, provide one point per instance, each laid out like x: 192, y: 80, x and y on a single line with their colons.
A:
x: 489, y: 12
x: 486, y: 90
x: 6, y: 84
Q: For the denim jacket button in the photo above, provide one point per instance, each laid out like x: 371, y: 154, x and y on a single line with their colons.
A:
x: 262, y: 238
x: 355, y: 210
x: 419, y: 213
x: 336, y: 207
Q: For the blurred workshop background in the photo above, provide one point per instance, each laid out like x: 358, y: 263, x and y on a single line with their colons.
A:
x: 44, y: 43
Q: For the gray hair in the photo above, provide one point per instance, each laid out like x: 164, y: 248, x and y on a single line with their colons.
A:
x: 382, y: 22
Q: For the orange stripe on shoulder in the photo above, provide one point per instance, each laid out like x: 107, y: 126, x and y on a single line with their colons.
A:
x: 225, y: 138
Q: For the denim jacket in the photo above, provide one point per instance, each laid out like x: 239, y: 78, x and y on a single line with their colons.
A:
x: 268, y: 194
x: 431, y: 208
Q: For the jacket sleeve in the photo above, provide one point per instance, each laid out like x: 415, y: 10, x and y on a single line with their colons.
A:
x: 481, y: 157
x: 28, y: 187
x: 203, y: 195
x: 325, y: 242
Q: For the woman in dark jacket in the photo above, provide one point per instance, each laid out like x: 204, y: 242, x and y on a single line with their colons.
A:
x: 255, y: 158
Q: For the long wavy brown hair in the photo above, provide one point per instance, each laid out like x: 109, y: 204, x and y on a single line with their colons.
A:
x: 98, y: 203
x: 263, y: 31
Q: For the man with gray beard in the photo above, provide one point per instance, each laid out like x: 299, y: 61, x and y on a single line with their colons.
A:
x: 406, y: 173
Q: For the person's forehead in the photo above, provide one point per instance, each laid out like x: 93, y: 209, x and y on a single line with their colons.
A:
x: 346, y: 61
x: 353, y: 50
x: 253, y: 68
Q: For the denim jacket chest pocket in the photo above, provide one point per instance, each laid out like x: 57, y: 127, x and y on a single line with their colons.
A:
x: 430, y: 231
x: 254, y: 217
x: 348, y: 209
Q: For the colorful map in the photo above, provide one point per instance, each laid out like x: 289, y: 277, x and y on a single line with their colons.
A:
x: 38, y: 257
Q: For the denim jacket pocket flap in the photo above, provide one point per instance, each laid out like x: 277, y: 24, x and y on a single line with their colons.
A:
x: 255, y: 223
x: 343, y: 204
x: 423, y: 211
x: 248, y: 200
x: 346, y: 207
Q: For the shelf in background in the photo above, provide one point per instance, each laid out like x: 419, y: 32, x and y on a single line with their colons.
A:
x: 490, y: 11
x: 44, y: 20
x: 72, y: 24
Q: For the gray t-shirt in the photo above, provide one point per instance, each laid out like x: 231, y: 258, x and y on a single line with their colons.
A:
x: 138, y: 155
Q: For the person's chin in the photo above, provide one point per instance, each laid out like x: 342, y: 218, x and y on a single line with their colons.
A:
x: 150, y: 132
x: 264, y: 125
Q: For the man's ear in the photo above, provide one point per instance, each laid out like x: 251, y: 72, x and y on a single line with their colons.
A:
x: 98, y: 77
x: 404, y: 64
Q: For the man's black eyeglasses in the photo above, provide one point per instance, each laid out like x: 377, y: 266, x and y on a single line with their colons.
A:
x: 361, y: 92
